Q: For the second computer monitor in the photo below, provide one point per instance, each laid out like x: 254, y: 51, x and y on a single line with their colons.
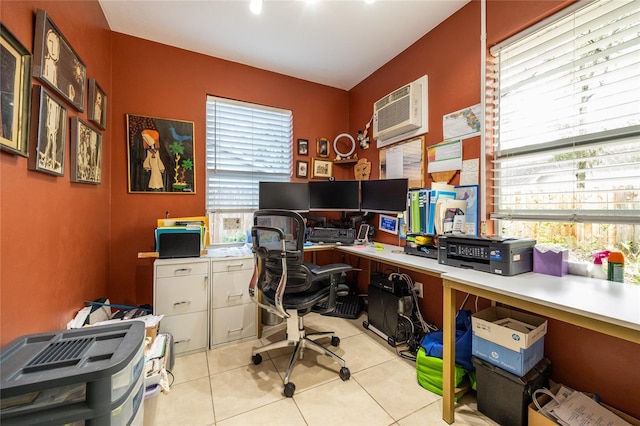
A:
x: 337, y: 195
x: 384, y: 195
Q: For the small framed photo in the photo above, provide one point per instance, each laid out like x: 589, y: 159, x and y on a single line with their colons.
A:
x: 321, y: 168
x: 388, y: 224
x: 303, y: 147
x: 15, y: 102
x: 323, y: 148
x: 56, y: 64
x: 86, y: 153
x: 48, y: 153
x: 97, y: 105
x: 302, y: 169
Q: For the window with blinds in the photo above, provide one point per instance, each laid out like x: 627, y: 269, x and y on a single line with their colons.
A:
x: 567, y: 128
x: 565, y: 100
x: 246, y: 144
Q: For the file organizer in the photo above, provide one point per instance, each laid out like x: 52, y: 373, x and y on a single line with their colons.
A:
x: 92, y: 375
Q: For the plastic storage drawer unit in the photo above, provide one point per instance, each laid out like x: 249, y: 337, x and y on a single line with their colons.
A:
x: 92, y: 375
x: 504, y: 397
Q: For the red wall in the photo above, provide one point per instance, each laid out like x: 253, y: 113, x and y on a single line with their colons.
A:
x: 450, y: 56
x: 161, y: 81
x: 55, y: 235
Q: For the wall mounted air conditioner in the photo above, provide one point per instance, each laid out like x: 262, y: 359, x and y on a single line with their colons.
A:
x: 401, y: 113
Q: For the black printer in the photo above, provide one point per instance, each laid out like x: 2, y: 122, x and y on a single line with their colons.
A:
x: 496, y: 254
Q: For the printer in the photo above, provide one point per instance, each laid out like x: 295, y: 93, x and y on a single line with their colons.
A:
x: 496, y: 254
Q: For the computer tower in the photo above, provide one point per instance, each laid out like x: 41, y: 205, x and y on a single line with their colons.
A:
x: 384, y: 309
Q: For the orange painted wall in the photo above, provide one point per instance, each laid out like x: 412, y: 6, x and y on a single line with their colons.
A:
x: 55, y: 235
x: 63, y: 243
x: 450, y: 56
x: 161, y: 81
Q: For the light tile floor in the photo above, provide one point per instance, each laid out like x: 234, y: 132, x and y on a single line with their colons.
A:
x: 222, y: 386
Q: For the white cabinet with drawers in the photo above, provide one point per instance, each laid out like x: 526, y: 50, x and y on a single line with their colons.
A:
x: 233, y: 315
x: 181, y: 294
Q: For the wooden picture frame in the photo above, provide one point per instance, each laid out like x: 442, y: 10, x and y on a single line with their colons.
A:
x: 50, y: 130
x: 15, y: 102
x: 323, y: 148
x: 321, y: 168
x: 86, y: 153
x: 302, y: 169
x: 56, y: 64
x: 303, y: 146
x: 161, y: 155
x: 97, y: 111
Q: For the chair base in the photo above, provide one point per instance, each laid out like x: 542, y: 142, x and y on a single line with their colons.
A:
x: 296, y: 336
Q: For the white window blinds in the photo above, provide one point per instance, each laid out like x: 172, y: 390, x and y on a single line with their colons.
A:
x: 246, y: 144
x: 567, y: 118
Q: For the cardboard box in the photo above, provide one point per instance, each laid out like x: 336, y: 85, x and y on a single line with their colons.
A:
x: 511, y: 340
x: 537, y: 419
x: 550, y: 262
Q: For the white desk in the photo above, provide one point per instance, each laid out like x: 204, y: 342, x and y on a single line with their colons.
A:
x: 608, y: 307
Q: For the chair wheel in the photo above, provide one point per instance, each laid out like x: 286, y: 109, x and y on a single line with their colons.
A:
x: 289, y: 389
x: 365, y: 324
x: 257, y: 359
x: 345, y: 373
x: 335, y: 341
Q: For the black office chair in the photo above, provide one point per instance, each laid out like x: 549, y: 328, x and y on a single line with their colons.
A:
x: 291, y: 287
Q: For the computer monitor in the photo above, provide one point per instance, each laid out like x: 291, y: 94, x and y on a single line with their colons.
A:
x: 337, y: 195
x: 284, y: 195
x: 384, y: 195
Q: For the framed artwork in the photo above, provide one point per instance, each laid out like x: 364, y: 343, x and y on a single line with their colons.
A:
x: 302, y: 169
x: 15, y: 96
x: 321, y: 168
x: 86, y: 153
x: 303, y: 147
x: 161, y: 155
x: 50, y: 127
x: 97, y: 111
x: 323, y: 147
x: 56, y: 64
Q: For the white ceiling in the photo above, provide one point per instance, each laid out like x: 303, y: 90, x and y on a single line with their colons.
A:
x: 333, y: 42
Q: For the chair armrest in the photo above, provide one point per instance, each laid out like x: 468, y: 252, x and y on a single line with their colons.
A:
x: 334, y: 268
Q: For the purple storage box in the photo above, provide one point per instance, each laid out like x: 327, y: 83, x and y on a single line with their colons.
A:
x: 550, y: 261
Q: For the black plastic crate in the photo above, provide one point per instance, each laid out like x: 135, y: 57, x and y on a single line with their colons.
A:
x: 504, y: 397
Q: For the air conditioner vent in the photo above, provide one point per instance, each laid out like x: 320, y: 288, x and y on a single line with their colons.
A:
x: 399, y: 112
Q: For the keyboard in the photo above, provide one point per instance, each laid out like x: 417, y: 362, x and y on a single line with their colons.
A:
x: 332, y: 236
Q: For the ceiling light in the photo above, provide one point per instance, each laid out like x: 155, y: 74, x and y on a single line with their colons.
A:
x: 255, y: 6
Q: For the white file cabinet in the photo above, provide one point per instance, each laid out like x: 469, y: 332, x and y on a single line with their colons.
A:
x: 181, y: 294
x: 233, y: 315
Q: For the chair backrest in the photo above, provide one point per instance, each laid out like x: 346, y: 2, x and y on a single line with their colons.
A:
x: 269, y: 228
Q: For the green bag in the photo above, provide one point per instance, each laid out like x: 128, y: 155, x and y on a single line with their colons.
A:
x: 429, y: 371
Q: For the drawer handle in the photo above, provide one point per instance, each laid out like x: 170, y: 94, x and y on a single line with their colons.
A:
x: 184, y: 302
x: 182, y: 341
x: 235, y: 295
x: 235, y: 330
x: 182, y: 271
x: 236, y: 265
